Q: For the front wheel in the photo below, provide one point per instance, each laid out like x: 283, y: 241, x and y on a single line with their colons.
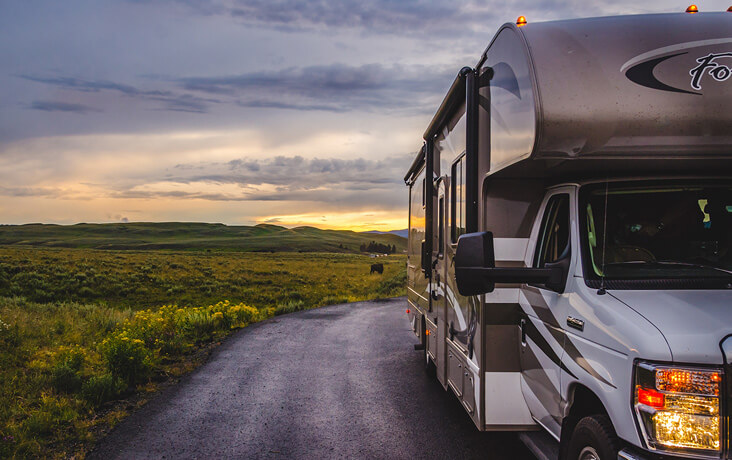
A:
x: 593, y: 438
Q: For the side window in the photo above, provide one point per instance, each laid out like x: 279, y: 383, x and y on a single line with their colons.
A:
x: 457, y: 210
x: 424, y: 192
x: 441, y: 225
x: 553, y: 242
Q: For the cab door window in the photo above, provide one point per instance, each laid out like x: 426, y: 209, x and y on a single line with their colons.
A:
x: 457, y: 210
x: 553, y: 243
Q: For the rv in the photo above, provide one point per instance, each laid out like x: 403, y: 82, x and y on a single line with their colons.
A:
x: 570, y: 237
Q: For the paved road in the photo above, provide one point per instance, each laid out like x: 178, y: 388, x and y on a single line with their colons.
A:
x: 336, y: 382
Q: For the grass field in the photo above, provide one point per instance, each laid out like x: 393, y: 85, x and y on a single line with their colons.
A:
x: 192, y: 237
x: 85, y: 334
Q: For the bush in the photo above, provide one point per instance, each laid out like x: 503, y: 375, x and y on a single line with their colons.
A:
x: 127, y: 358
x: 198, y: 325
x: 65, y: 379
x: 100, y: 389
x: 65, y: 374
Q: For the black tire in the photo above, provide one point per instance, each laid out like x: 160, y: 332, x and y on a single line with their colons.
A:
x: 593, y: 438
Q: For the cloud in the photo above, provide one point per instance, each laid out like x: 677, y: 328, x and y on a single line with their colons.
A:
x: 84, y: 85
x: 426, y: 18
x: 329, y: 88
x: 30, y: 191
x: 56, y: 106
x: 336, y: 87
x: 171, y: 100
x: 350, y: 182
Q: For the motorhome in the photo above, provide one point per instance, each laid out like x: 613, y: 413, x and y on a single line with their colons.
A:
x: 570, y: 237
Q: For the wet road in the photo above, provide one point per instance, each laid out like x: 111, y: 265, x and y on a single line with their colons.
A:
x: 335, y: 382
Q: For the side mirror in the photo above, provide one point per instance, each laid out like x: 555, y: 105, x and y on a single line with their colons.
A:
x: 474, y: 252
x: 475, y: 271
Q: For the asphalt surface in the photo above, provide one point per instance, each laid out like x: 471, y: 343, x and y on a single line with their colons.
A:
x: 337, y: 382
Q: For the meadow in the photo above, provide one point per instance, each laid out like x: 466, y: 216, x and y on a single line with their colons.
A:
x: 86, y: 335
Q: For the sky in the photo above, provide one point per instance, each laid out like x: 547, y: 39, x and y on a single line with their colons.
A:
x: 242, y: 112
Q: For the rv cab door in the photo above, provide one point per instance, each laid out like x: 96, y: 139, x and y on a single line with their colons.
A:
x: 438, y: 315
x: 545, y: 310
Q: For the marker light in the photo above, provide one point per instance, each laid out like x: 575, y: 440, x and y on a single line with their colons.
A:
x: 692, y: 9
x: 678, y: 408
x: 651, y: 398
x: 729, y: 10
x: 407, y: 310
x: 427, y: 332
x: 521, y: 21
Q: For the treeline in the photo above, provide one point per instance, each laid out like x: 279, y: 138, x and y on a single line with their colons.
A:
x: 378, y: 247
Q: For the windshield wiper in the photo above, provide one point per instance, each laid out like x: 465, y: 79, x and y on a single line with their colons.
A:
x: 674, y: 262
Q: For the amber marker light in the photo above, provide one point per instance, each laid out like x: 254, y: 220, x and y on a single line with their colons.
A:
x: 407, y: 310
x: 692, y: 9
x: 427, y: 332
x: 729, y: 10
x: 521, y: 21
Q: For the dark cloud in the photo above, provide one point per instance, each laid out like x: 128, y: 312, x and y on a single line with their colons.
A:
x: 171, y: 100
x: 428, y: 18
x: 56, y: 106
x: 78, y: 84
x: 336, y: 87
x: 356, y: 182
x: 331, y: 88
x: 30, y: 191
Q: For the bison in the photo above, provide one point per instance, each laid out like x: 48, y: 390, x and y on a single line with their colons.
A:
x: 377, y: 268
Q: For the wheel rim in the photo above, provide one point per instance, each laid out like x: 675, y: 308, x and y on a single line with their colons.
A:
x: 589, y: 453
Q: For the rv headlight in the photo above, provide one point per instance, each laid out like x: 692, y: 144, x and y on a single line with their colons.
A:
x: 678, y: 408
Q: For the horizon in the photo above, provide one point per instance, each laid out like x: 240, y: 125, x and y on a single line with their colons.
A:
x: 205, y: 223
x: 239, y: 112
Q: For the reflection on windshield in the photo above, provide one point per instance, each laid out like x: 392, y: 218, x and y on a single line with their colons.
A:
x: 658, y: 231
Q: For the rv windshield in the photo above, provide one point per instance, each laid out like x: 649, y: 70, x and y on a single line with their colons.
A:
x: 657, y: 231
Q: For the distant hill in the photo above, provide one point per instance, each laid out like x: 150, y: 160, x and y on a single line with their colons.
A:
x: 192, y: 236
x: 403, y: 233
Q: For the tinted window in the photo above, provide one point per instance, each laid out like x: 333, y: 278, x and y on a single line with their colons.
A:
x: 553, y: 243
x: 457, y: 213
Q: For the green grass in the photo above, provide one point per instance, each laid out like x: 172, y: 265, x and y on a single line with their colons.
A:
x: 192, y: 236
x: 139, y: 279
x: 82, y: 330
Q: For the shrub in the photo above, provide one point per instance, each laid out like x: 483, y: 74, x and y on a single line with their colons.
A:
x: 243, y: 314
x: 198, y: 324
x: 65, y: 379
x: 102, y: 388
x: 127, y: 358
x: 65, y: 374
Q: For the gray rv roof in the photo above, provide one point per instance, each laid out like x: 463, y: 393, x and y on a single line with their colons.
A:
x: 630, y: 87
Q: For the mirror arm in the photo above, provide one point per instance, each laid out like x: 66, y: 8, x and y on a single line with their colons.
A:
x: 552, y: 275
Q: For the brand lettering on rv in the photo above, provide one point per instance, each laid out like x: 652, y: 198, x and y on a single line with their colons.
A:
x: 709, y: 64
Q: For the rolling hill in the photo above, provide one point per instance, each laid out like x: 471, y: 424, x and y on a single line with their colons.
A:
x: 192, y: 236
